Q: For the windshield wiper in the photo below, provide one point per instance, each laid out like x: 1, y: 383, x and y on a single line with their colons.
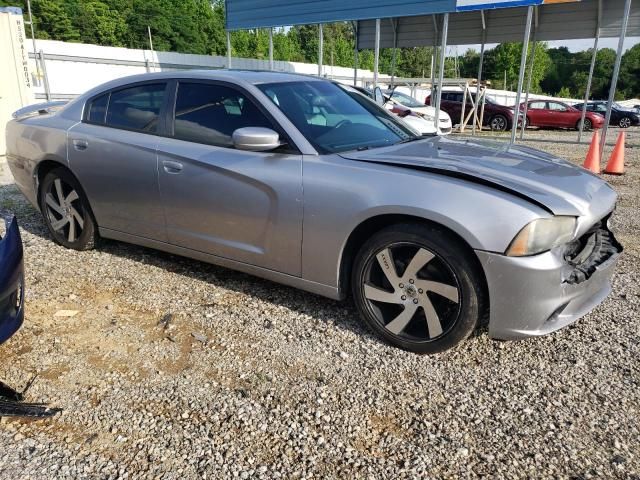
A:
x: 407, y: 140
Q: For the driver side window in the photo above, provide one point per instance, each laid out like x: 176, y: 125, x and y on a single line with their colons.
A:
x: 209, y: 113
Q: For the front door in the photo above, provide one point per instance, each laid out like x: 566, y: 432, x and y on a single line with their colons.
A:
x: 113, y: 154
x: 560, y: 115
x: 241, y: 205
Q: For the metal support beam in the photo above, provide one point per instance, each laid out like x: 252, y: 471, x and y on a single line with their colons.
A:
x: 394, y: 25
x: 530, y: 75
x: 443, y: 48
x: 355, y: 53
x: 228, y: 49
x: 434, y: 58
x: 523, y: 65
x: 528, y: 90
x: 484, y: 40
x: 320, y: 49
x: 592, y: 67
x: 45, y: 77
x: 33, y: 40
x: 271, y: 48
x: 616, y: 72
x: 376, y: 54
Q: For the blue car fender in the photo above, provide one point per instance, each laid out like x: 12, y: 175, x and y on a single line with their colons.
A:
x: 11, y: 281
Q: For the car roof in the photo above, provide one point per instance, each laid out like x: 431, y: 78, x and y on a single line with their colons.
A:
x: 248, y: 76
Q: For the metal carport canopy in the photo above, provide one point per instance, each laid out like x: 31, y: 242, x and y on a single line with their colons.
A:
x: 562, y: 21
x: 247, y: 14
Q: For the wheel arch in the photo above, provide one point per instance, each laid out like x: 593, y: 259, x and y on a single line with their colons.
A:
x: 371, y: 226
x: 47, y: 165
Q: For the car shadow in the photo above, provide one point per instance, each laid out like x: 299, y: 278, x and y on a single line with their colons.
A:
x: 343, y: 314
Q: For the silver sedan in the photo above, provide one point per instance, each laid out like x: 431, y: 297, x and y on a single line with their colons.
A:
x: 306, y: 183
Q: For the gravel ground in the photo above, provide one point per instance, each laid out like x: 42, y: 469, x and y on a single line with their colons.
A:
x: 178, y: 369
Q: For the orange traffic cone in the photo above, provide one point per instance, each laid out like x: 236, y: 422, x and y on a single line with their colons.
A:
x: 615, y: 166
x: 592, y: 162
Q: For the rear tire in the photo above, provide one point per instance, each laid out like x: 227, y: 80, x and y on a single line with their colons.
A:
x: 66, y: 211
x: 625, y: 122
x: 418, y: 287
x: 588, y: 126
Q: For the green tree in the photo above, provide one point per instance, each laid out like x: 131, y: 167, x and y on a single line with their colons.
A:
x: 629, y: 83
x: 97, y: 22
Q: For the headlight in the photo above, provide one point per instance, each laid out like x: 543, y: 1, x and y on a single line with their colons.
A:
x: 542, y: 235
x: 427, y: 117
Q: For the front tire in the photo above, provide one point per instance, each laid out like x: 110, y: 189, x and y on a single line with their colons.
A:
x: 498, y: 123
x: 66, y: 210
x: 418, y: 287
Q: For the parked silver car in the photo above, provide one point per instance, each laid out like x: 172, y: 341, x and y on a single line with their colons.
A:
x: 299, y: 181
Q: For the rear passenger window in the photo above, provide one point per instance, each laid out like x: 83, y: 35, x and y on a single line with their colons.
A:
x: 209, y: 113
x: 97, y: 109
x: 136, y: 108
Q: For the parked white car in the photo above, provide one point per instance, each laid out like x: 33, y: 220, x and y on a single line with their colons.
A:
x: 397, y: 100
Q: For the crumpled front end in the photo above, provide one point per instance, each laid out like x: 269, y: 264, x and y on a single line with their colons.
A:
x: 11, y: 282
x: 536, y: 295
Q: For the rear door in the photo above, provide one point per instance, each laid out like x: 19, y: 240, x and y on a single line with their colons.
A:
x: 537, y: 114
x: 241, y: 205
x: 113, y: 154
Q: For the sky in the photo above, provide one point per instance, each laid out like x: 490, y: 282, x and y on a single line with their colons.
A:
x: 573, y: 45
x: 579, y: 45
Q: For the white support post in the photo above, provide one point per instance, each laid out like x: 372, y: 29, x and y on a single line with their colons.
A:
x: 376, y: 54
x: 482, y: 46
x: 443, y: 49
x: 395, y: 48
x: 530, y: 76
x: 355, y: 53
x: 228, y: 49
x: 616, y: 72
x: 320, y: 49
x: 33, y: 40
x: 434, y: 61
x: 271, y: 48
x: 592, y: 67
x: 523, y: 65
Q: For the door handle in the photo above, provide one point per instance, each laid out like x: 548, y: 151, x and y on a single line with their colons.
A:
x: 80, y: 144
x: 172, y: 167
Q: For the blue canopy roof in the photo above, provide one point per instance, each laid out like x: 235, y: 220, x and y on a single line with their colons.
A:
x: 246, y: 14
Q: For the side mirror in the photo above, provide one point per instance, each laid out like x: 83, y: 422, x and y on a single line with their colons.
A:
x: 378, y: 96
x: 255, y: 139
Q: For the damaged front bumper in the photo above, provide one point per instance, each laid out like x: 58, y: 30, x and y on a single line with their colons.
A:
x: 11, y: 282
x: 533, y: 296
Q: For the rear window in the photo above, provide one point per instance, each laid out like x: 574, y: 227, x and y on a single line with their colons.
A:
x: 97, y: 109
x: 136, y: 108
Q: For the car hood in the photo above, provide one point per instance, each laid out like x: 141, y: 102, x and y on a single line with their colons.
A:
x: 546, y: 180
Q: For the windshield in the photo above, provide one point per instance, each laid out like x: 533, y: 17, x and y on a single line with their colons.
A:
x: 334, y: 120
x: 406, y: 100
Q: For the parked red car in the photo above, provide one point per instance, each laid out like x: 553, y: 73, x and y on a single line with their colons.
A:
x: 497, y: 117
x: 554, y: 114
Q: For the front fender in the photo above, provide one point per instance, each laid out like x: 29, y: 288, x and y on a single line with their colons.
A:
x: 341, y: 194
